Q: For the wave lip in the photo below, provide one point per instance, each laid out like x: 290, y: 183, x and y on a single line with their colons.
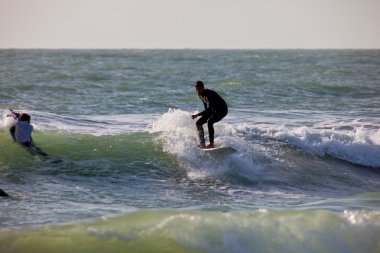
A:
x: 96, y: 125
x: 357, y: 145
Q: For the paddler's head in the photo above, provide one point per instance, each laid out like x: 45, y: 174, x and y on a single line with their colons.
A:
x: 24, y: 117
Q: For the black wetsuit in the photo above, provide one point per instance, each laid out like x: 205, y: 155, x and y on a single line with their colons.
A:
x: 215, y: 110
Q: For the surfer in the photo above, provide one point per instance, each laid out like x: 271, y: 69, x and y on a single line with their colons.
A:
x: 215, y: 110
x: 21, y: 133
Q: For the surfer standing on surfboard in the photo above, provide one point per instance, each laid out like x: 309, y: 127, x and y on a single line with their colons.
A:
x: 215, y: 110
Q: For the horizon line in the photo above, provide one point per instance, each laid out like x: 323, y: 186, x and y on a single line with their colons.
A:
x: 174, y: 48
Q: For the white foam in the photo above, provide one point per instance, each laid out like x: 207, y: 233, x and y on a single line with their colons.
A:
x: 7, y: 120
x: 177, y: 133
x: 354, y: 143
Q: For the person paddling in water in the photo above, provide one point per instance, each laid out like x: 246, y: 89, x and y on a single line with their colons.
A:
x: 21, y: 133
x: 215, y: 110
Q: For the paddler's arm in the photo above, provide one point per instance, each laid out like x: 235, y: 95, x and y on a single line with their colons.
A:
x: 12, y: 131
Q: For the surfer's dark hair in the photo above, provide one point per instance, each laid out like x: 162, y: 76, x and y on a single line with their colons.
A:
x: 199, y: 84
x: 24, y: 117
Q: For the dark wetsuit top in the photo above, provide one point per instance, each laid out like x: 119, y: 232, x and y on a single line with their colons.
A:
x: 212, y: 102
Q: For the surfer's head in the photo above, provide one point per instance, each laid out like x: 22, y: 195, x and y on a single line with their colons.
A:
x: 24, y: 117
x: 199, y: 87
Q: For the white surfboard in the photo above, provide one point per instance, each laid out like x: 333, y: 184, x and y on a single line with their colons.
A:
x: 219, y: 149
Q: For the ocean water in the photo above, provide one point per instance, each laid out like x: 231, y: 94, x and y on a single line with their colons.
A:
x: 304, y: 176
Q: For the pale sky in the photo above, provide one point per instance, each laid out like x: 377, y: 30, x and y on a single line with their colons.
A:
x: 245, y: 24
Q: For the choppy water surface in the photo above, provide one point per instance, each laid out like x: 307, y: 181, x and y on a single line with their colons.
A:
x: 304, y: 124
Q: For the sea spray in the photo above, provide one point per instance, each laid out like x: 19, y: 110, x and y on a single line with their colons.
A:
x: 8, y: 119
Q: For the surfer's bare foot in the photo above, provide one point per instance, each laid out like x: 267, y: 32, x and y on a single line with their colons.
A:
x: 202, y: 145
x: 211, y: 145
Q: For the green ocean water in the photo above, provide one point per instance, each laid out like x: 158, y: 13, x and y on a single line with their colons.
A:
x: 199, y: 231
x: 304, y: 176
